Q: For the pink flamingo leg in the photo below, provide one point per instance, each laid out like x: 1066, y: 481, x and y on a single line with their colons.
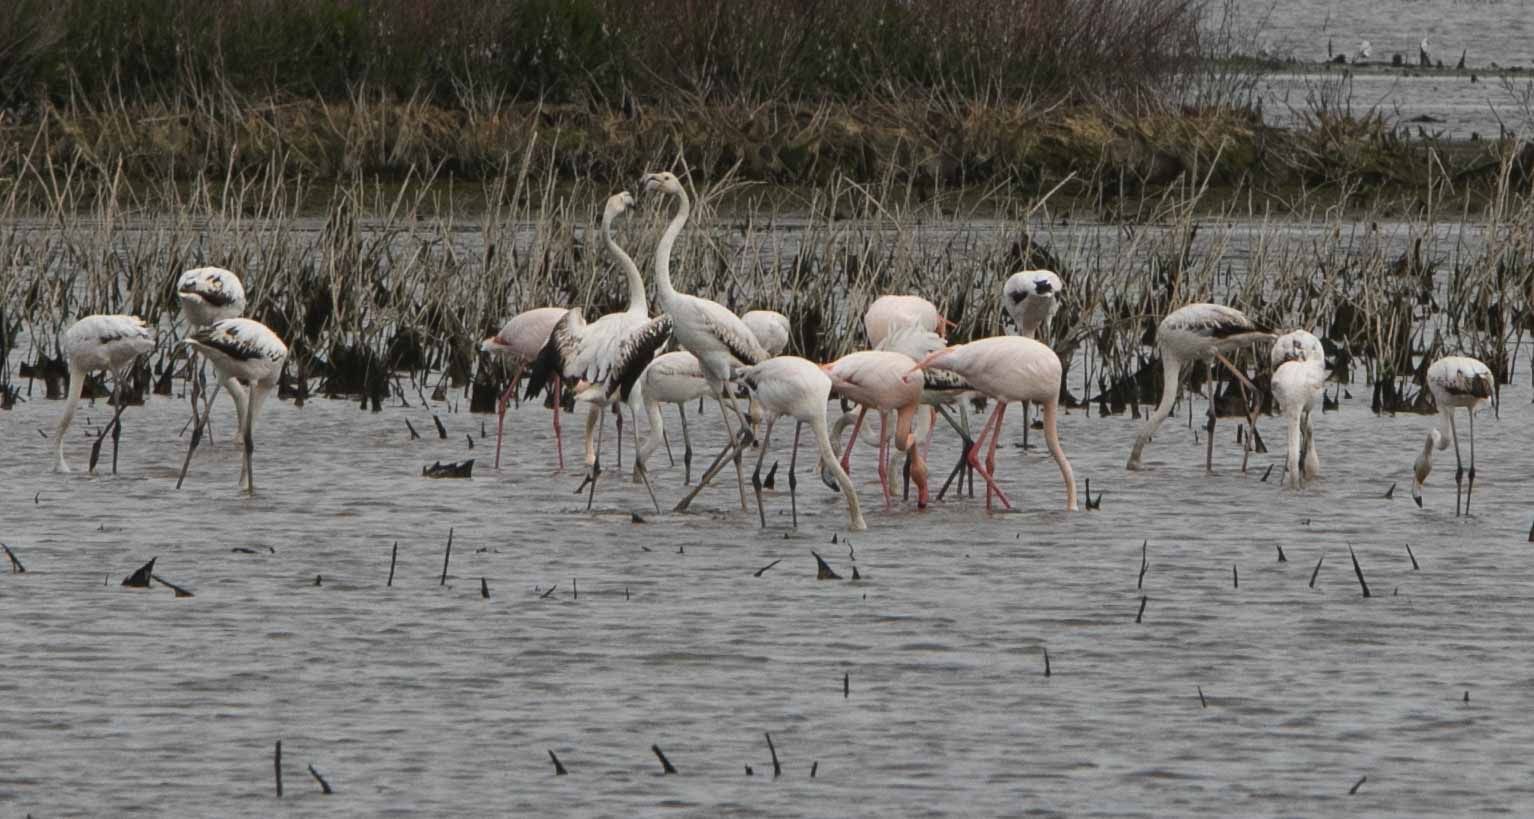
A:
x: 500, y: 412
x: 857, y: 426
x: 993, y: 424
x: 884, y: 483
x: 559, y: 444
x: 926, y: 446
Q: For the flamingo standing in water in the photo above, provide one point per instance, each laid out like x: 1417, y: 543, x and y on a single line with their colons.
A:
x: 673, y: 378
x: 1299, y: 375
x: 788, y: 385
x: 208, y: 294
x: 708, y: 330
x: 875, y: 380
x: 595, y: 355
x: 1187, y: 334
x: 100, y: 342
x: 1029, y: 297
x: 890, y: 313
x: 248, y: 357
x: 1008, y: 368
x: 1455, y: 381
x: 518, y: 342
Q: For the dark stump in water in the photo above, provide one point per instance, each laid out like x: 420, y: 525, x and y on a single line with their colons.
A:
x: 462, y: 469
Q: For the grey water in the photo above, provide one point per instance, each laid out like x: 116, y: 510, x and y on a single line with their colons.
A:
x: 425, y: 698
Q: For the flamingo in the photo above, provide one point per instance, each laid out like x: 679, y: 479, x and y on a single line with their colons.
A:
x: 1455, y: 381
x: 595, y: 355
x: 708, y: 330
x: 875, y: 379
x: 770, y: 328
x: 1029, y: 298
x: 100, y: 342
x: 788, y: 385
x: 889, y: 313
x: 1187, y: 334
x: 1008, y: 368
x: 208, y: 294
x: 940, y: 389
x: 1299, y: 375
x: 518, y: 342
x: 248, y: 357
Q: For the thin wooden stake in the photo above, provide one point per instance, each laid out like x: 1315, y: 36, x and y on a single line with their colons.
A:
x: 277, y: 767
x: 846, y: 684
x: 1357, y: 785
x: 484, y: 589
x: 777, y: 770
x: 447, y: 555
x: 665, y: 763
x: 1144, y: 564
x: 1316, y: 571
x: 324, y: 786
x: 559, y: 769
x: 1202, y: 703
x: 1358, y: 571
x: 1047, y: 672
x: 393, y: 556
x: 814, y: 766
x: 1235, y: 577
x: 1414, y: 566
x: 1141, y: 613
x: 1281, y: 558
x: 16, y: 567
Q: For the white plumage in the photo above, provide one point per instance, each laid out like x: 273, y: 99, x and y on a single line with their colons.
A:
x: 890, y: 313
x: 1456, y: 382
x: 209, y: 294
x: 1299, y: 377
x: 770, y: 328
x: 793, y: 386
x: 1030, y: 299
x: 719, y: 339
x: 673, y: 378
x: 98, y: 342
x: 248, y: 357
x: 1188, y: 334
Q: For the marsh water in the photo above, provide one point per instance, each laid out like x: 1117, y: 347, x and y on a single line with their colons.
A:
x: 427, y: 698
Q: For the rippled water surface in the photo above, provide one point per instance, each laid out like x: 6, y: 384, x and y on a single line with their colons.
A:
x: 427, y: 698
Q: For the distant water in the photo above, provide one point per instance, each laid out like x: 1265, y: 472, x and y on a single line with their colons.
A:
x: 425, y: 698
x: 1497, y: 33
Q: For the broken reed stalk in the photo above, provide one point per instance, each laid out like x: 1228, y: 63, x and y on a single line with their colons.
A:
x: 1141, y: 612
x: 393, y: 556
x: 1047, y: 672
x: 484, y: 589
x: 758, y: 572
x: 324, y: 786
x: 446, y: 556
x: 559, y: 768
x: 277, y: 767
x: 1358, y: 571
x: 1235, y: 577
x: 16, y: 567
x: 1144, y: 564
x: 814, y: 768
x: 441, y: 430
x: 1281, y: 558
x: 777, y: 770
x: 1356, y: 785
x: 180, y: 592
x: 665, y: 763
x: 1202, y: 703
x: 414, y: 436
x: 823, y: 569
x: 1316, y: 571
x: 1414, y: 566
x: 846, y: 684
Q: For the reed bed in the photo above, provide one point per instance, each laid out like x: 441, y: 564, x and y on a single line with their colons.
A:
x: 389, y: 285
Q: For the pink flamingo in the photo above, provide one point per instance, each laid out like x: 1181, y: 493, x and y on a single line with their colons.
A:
x: 519, y: 342
x: 890, y: 313
x: 875, y: 380
x: 1007, y: 368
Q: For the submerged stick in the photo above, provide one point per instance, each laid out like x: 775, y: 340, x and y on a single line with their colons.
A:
x: 1141, y: 613
x: 140, y: 579
x: 1391, y: 492
x: 846, y: 684
x: 180, y: 592
x: 814, y: 766
x: 1281, y: 558
x: 665, y: 763
x: 393, y: 556
x: 1414, y: 566
x: 446, y: 556
x: 823, y: 570
x: 1144, y: 564
x: 1235, y: 577
x: 1202, y: 703
x: 1357, y: 785
x: 1358, y: 571
x: 758, y: 572
x: 324, y: 786
x: 777, y: 770
x: 441, y: 430
x: 559, y: 768
x: 484, y: 589
x: 414, y: 436
x: 1047, y: 672
x: 16, y: 567
x: 1316, y: 571
x: 277, y: 767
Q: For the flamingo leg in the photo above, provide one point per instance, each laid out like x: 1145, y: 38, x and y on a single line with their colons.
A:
x: 686, y: 446
x: 973, y: 455
x: 969, y: 443
x: 618, y: 418
x: 1459, y: 466
x: 1470, y: 487
x: 884, y: 432
x: 1209, y: 429
x: 857, y: 427
x: 756, y: 474
x: 793, y: 478
x: 559, y: 444
x: 988, y: 473
x: 500, y: 412
x: 596, y: 459
x: 111, y: 427
x: 666, y: 439
x: 733, y: 446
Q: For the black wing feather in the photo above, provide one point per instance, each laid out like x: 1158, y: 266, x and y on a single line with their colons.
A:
x: 550, y: 362
x: 638, y: 349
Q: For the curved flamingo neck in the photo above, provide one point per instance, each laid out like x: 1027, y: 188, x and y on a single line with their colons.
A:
x: 637, y: 302
x: 663, y: 249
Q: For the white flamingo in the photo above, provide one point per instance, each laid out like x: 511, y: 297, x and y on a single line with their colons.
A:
x: 1455, y: 381
x: 788, y: 385
x: 1008, y: 368
x: 1299, y: 376
x: 1030, y: 299
x: 1188, y: 334
x: 518, y: 343
x: 673, y: 378
x: 770, y: 328
x: 890, y: 313
x: 208, y: 294
x: 100, y: 342
x: 248, y: 357
x: 596, y: 355
x: 708, y: 330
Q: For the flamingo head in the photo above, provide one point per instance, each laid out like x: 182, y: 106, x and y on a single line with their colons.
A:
x: 665, y: 182
x: 491, y: 345
x: 617, y: 204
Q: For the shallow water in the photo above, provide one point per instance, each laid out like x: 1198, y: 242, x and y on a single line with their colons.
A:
x: 426, y: 698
